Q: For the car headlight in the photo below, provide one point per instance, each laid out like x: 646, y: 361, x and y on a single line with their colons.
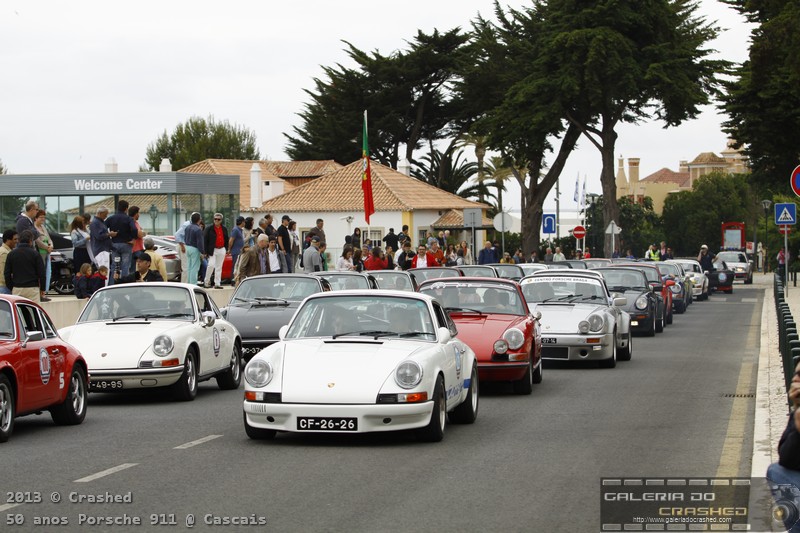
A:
x: 408, y: 374
x: 514, y: 338
x: 676, y: 289
x: 596, y: 323
x: 500, y: 346
x: 583, y: 326
x: 163, y: 345
x: 258, y: 373
x: 722, y: 278
x: 641, y: 302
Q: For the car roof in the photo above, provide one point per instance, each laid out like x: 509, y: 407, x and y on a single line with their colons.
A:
x: 591, y: 274
x: 372, y: 293
x: 470, y: 279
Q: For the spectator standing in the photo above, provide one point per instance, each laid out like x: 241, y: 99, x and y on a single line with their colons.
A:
x: 100, y: 238
x: 391, y: 239
x: 442, y: 240
x: 80, y: 242
x: 487, y: 255
x: 534, y: 257
x: 548, y: 255
x: 355, y: 239
x: 405, y: 257
x: 138, y: 240
x: 269, y: 229
x: 376, y: 260
x: 323, y: 255
x: 156, y: 261
x: 518, y: 257
x: 180, y: 239
x: 402, y: 236
x: 345, y: 261
x: 236, y: 242
x: 467, y: 253
x: 424, y: 258
x: 125, y: 232
x: 629, y: 254
x: 317, y: 231
x: 664, y: 253
x: 558, y: 256
x: 285, y: 241
x: 450, y: 256
x: 311, y: 259
x: 25, y: 220
x: 430, y: 239
x: 438, y: 253
x: 40, y: 225
x: 10, y: 239
x: 24, y: 269
x: 295, y: 250
x: 389, y: 254
x: 358, y: 263
x: 254, y: 261
x: 276, y: 260
x: 215, y: 243
x: 193, y: 241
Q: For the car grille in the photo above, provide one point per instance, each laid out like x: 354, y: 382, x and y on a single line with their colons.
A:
x: 146, y: 364
x: 552, y: 352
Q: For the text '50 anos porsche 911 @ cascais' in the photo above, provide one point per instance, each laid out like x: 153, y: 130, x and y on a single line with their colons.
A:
x: 363, y: 361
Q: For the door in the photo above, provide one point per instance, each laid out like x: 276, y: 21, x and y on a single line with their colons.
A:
x: 214, y: 341
x: 38, y: 358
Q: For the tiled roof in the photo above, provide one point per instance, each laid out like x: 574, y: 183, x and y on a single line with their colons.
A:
x: 455, y: 219
x: 340, y: 190
x: 302, y: 169
x: 666, y: 175
x: 707, y: 158
x: 144, y: 201
x: 236, y: 167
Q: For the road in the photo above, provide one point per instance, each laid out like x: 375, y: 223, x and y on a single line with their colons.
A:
x: 528, y: 464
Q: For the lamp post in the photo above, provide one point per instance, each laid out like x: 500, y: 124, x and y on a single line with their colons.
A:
x: 766, y: 204
x: 153, y: 215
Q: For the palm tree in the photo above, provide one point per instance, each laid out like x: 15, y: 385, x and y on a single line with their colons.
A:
x: 450, y: 172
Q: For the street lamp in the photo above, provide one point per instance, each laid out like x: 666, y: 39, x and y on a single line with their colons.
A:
x: 766, y: 204
x: 153, y: 215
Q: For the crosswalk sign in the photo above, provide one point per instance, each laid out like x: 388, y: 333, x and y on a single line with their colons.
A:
x: 785, y: 214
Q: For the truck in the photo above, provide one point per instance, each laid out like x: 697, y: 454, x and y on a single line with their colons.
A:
x: 733, y: 236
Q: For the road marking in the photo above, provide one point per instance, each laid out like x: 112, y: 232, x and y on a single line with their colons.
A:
x: 749, y: 300
x: 8, y: 506
x: 196, y: 442
x: 105, y: 473
x: 730, y: 459
x: 718, y: 299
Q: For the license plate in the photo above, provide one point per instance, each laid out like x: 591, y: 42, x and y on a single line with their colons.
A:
x: 549, y: 340
x: 105, y: 385
x: 313, y: 423
x: 634, y: 322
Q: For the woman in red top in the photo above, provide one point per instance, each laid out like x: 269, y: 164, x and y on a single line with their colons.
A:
x: 375, y: 261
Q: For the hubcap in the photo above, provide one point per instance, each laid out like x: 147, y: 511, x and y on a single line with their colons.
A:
x: 473, y: 384
x: 442, y: 410
x: 235, y: 367
x: 77, y: 394
x: 190, y: 377
x: 5, y: 408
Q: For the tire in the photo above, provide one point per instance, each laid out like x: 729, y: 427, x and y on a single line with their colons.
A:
x: 63, y: 286
x: 651, y: 332
x: 661, y: 323
x: 8, y: 409
x: 434, y: 431
x: 185, y: 389
x: 749, y: 281
x: 524, y: 386
x: 669, y: 315
x: 257, y: 433
x: 72, y: 410
x: 625, y: 353
x: 232, y: 378
x: 611, y: 362
x: 539, y: 372
x: 467, y: 412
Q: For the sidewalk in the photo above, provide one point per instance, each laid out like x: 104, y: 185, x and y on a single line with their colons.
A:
x: 771, y: 408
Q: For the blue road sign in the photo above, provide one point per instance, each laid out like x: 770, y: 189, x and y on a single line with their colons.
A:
x: 549, y: 223
x: 785, y: 214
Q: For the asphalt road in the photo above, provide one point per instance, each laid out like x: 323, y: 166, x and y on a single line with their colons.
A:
x: 528, y: 464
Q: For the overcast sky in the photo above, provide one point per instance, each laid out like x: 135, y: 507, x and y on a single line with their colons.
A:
x: 87, y: 81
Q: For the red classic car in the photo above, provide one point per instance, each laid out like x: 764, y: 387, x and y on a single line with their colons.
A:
x: 493, y: 319
x: 38, y: 370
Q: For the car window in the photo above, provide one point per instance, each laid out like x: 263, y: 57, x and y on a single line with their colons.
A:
x: 49, y: 329
x: 441, y: 321
x: 204, y: 303
x: 29, y: 319
x: 6, y: 322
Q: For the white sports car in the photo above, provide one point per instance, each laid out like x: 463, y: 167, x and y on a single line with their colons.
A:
x: 580, y: 318
x: 146, y: 335
x: 361, y: 361
x: 699, y: 278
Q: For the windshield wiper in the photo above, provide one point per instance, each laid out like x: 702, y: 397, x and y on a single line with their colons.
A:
x: 176, y: 315
x: 242, y: 299
x: 373, y: 333
x: 123, y: 317
x: 592, y: 297
x: 269, y: 299
x: 415, y: 333
x: 462, y: 309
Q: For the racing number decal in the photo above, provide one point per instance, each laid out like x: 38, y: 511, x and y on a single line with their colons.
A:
x: 44, y: 366
x: 216, y: 342
x: 61, y: 380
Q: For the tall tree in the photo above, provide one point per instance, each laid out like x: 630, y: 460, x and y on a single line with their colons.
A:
x: 199, y: 139
x: 448, y: 171
x: 623, y: 61
x: 763, y: 100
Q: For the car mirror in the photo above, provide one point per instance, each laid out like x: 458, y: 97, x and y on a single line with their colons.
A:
x: 537, y: 315
x: 656, y: 287
x: 620, y: 301
x: 224, y: 312
x: 33, y: 336
x: 208, y: 319
x: 444, y: 335
x: 282, y: 331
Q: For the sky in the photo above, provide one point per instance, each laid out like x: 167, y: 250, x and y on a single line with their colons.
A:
x: 87, y: 81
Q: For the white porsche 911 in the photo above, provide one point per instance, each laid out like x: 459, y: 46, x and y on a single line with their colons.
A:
x: 363, y: 361
x: 146, y: 335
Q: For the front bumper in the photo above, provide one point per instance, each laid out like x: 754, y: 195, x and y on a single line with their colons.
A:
x: 377, y: 417
x: 502, y: 370
x: 576, y: 347
x: 641, y: 322
x: 138, y: 378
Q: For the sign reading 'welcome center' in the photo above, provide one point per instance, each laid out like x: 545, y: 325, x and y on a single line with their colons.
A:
x: 118, y: 185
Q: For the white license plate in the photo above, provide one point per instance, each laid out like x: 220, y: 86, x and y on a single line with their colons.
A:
x: 313, y: 423
x: 105, y: 385
x: 549, y: 340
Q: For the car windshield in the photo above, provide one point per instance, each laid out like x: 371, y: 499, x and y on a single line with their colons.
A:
x: 530, y: 268
x: 393, y: 281
x: 563, y: 289
x: 480, y: 298
x: 667, y: 268
x: 509, y: 271
x: 623, y: 279
x: 340, y: 282
x: 363, y: 316
x: 479, y: 271
x: 132, y: 301
x: 274, y: 288
x: 732, y: 257
x: 431, y: 273
x: 691, y: 267
x: 6, y: 321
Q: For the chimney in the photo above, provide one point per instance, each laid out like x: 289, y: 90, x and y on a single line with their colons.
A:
x: 404, y: 167
x: 622, y: 180
x: 683, y: 166
x: 255, y: 187
x: 111, y: 166
x: 165, y: 166
x: 633, y: 171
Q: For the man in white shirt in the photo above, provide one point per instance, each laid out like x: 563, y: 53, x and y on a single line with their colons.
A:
x: 275, y: 258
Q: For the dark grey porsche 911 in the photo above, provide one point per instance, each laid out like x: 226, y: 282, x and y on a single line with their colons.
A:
x: 262, y: 304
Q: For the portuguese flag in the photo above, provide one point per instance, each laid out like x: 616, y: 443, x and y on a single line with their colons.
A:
x: 366, y: 176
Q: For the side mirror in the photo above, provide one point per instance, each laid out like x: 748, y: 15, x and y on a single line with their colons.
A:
x: 208, y: 319
x: 224, y: 312
x: 444, y: 336
x: 537, y: 315
x: 657, y: 287
x: 33, y: 336
x: 282, y: 331
x: 620, y: 301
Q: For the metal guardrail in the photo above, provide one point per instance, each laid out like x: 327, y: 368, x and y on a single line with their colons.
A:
x: 788, y: 339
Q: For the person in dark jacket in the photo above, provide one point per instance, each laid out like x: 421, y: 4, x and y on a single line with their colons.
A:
x: 142, y: 272
x: 787, y: 470
x: 81, y: 282
x: 98, y: 280
x: 215, y: 242
x: 405, y: 258
x: 123, y: 231
x: 24, y: 270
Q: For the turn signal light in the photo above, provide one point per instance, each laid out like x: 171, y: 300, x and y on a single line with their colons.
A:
x: 593, y: 340
x: 166, y: 362
x: 413, y: 397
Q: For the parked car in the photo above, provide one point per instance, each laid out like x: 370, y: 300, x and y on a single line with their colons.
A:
x: 478, y: 271
x: 738, y: 262
x: 348, y: 280
x: 721, y: 278
x: 342, y: 367
x: 644, y: 305
x: 262, y: 304
x: 577, y: 264
x: 596, y: 262
x: 699, y: 279
x: 148, y: 335
x: 681, y: 288
x: 493, y: 318
x: 426, y: 273
x: 398, y: 280
x: 508, y: 271
x: 580, y: 319
x: 39, y: 371
x: 660, y: 286
x: 168, y: 249
x: 530, y: 268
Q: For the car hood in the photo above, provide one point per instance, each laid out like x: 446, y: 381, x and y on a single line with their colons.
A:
x: 123, y: 343
x: 259, y: 321
x: 563, y: 318
x: 340, y: 371
x: 480, y: 332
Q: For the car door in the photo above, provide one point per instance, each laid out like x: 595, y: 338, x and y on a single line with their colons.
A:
x: 209, y: 338
x: 227, y: 335
x: 453, y: 360
x: 58, y: 349
x: 38, y: 358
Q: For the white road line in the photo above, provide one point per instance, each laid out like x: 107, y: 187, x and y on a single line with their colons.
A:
x: 8, y: 506
x: 749, y: 300
x: 196, y: 442
x: 105, y: 473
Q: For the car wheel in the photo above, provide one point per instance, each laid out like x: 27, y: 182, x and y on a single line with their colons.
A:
x: 525, y: 385
x: 434, y: 431
x: 7, y: 409
x: 63, y: 286
x: 232, y: 377
x: 660, y: 322
x: 72, y: 410
x: 625, y: 353
x: 611, y: 362
x: 538, y: 372
x: 467, y: 411
x: 651, y: 331
x: 258, y: 433
x: 669, y: 315
x: 749, y: 280
x: 185, y: 389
